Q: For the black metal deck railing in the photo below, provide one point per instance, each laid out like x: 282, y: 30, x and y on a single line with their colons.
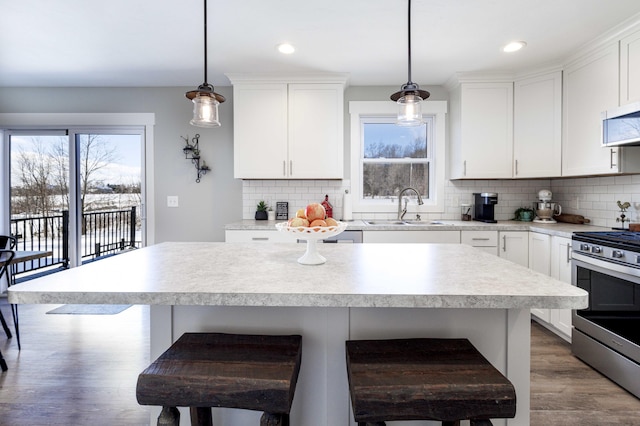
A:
x: 103, y: 233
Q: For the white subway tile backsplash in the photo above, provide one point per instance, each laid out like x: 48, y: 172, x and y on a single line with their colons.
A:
x: 595, y: 197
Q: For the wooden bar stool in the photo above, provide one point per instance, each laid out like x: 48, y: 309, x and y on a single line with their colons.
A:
x: 204, y: 370
x: 446, y: 380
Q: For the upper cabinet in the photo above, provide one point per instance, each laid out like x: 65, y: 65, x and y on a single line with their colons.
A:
x: 482, y: 131
x: 630, y: 69
x: 285, y: 130
x: 591, y: 87
x: 537, y: 127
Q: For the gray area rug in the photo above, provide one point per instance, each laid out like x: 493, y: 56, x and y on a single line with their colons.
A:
x: 89, y: 309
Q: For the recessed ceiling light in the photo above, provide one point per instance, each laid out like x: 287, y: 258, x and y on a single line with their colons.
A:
x: 286, y: 48
x: 514, y: 46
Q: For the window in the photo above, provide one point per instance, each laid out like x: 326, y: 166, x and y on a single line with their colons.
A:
x: 386, y: 158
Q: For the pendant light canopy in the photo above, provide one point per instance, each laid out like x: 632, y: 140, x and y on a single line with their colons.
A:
x: 410, y: 94
x: 205, y: 100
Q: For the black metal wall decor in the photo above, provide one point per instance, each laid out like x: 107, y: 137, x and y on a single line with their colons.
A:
x: 192, y: 152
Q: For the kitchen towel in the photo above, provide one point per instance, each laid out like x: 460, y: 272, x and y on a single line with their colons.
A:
x: 347, y: 213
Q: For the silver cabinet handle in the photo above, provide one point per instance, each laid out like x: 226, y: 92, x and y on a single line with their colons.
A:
x: 284, y: 168
x: 290, y: 167
x: 516, y: 167
x: 260, y: 238
x: 504, y: 243
x: 569, y: 253
x: 464, y: 173
x: 480, y: 239
x: 613, y: 152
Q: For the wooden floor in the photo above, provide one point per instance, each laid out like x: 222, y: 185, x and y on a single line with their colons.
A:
x: 82, y: 370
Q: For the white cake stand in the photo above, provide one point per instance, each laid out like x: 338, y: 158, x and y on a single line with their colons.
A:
x: 312, y: 235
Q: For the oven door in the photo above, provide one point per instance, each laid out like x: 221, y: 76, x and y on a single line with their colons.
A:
x: 613, y: 315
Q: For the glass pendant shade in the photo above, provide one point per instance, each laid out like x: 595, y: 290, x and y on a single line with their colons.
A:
x: 205, y: 111
x: 409, y: 110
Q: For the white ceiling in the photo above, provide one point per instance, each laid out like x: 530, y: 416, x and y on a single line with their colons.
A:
x: 160, y: 42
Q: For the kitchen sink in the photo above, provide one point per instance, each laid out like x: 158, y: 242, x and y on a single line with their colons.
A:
x: 402, y: 222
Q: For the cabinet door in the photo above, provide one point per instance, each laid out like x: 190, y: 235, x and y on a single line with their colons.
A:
x: 590, y: 87
x: 487, y: 130
x: 630, y: 69
x: 316, y: 131
x: 537, y: 128
x: 260, y: 131
x: 514, y: 246
x: 561, y: 270
x: 540, y: 261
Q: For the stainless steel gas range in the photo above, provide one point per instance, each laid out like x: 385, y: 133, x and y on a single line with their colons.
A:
x: 607, y: 334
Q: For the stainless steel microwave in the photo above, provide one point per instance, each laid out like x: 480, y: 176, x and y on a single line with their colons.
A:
x: 621, y: 126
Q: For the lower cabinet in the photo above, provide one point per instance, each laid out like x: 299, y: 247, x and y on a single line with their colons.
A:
x: 561, y: 270
x: 447, y: 237
x: 551, y: 255
x: 540, y: 261
x: 514, y: 246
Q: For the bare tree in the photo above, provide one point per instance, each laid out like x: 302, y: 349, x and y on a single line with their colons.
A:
x: 34, y: 169
x: 95, y: 154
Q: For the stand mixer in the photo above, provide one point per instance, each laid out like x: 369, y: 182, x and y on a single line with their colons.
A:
x: 545, y: 209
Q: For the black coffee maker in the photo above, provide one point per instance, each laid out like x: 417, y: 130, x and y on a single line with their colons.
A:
x: 483, y: 206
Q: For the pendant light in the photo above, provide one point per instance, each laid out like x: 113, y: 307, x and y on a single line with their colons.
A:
x: 205, y: 100
x: 410, y: 95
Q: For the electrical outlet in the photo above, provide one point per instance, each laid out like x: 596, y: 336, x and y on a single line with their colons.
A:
x: 172, y: 201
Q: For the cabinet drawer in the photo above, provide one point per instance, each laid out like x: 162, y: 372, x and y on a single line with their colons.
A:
x: 480, y: 238
x: 258, y: 236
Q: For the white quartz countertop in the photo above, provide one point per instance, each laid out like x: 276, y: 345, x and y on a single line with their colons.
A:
x: 355, y: 275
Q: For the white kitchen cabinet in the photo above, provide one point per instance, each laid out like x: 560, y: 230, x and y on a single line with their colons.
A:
x: 630, y: 69
x: 448, y: 237
x: 288, y: 130
x: 540, y: 261
x: 482, y: 131
x: 257, y: 236
x: 514, y: 246
x: 537, y: 127
x: 483, y: 240
x: 590, y: 88
x: 561, y: 270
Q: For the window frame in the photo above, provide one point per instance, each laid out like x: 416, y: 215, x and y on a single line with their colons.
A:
x: 375, y: 110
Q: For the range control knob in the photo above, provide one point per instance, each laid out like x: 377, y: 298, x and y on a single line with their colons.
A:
x: 584, y: 247
x: 596, y: 250
x: 617, y: 254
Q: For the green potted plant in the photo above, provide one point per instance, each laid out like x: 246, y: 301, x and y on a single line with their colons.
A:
x: 261, y: 211
x: 524, y: 214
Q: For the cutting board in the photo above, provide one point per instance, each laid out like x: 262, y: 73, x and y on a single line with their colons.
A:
x: 571, y: 218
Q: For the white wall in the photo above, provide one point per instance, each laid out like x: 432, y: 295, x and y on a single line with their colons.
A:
x: 205, y: 207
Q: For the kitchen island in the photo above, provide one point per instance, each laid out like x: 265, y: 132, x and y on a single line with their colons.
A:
x: 362, y: 291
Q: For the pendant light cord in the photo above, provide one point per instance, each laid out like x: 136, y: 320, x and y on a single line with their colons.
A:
x: 205, y: 41
x: 409, y: 43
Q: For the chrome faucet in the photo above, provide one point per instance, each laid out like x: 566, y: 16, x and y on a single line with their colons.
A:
x: 403, y: 211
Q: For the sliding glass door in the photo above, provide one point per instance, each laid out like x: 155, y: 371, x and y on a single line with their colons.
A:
x: 78, y: 193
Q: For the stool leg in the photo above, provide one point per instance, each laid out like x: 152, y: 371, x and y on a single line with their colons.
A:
x: 201, y: 416
x: 3, y: 363
x: 5, y: 326
x: 271, y: 419
x: 169, y: 416
x: 16, y: 323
